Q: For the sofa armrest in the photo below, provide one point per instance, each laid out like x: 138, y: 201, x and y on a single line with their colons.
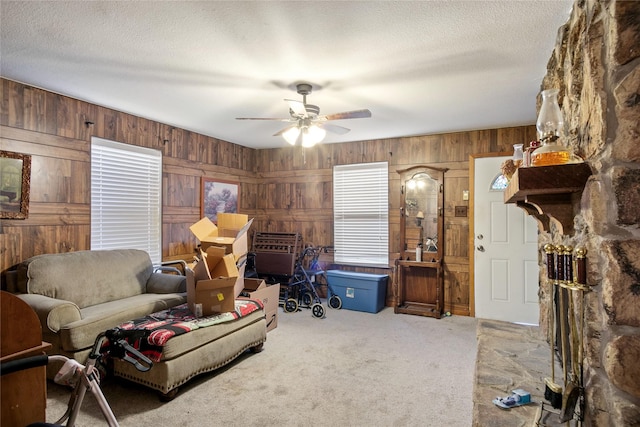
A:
x: 178, y: 266
x: 11, y: 282
x: 160, y: 283
x: 53, y: 313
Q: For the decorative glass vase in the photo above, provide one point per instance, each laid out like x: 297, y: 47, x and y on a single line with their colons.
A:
x: 518, y: 154
x: 550, y: 125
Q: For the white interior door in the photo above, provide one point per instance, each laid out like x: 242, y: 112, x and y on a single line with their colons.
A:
x: 506, y: 254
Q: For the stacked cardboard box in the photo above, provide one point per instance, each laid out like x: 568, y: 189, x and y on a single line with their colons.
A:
x: 210, y: 287
x: 216, y: 279
x: 230, y: 233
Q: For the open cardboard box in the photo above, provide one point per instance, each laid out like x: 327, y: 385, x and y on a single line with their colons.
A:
x: 211, y: 285
x: 232, y: 224
x: 269, y: 295
x: 230, y: 233
x: 220, y: 264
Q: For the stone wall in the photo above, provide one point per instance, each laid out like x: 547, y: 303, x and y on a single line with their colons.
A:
x: 596, y: 66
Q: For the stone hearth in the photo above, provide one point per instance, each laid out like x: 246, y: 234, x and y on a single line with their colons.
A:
x: 511, y: 356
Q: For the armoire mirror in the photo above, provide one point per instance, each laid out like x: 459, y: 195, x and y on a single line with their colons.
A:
x: 420, y: 287
x: 421, y: 219
x: 421, y: 213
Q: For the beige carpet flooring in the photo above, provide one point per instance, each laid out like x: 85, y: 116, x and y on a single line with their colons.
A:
x: 348, y: 369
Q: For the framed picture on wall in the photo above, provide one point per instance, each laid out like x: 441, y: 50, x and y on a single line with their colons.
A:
x: 218, y: 196
x: 15, y: 178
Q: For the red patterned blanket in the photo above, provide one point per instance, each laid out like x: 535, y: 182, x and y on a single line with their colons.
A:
x: 180, y: 320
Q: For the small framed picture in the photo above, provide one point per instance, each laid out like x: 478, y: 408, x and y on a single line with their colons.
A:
x: 218, y: 196
x: 15, y: 179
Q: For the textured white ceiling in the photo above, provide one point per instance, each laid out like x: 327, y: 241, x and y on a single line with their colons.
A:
x: 421, y: 67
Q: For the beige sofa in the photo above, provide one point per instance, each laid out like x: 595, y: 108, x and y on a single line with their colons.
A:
x: 77, y: 295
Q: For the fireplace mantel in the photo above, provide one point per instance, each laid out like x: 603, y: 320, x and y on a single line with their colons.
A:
x: 549, y: 193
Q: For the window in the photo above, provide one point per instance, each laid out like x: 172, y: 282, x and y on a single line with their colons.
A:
x: 126, y: 206
x: 361, y: 214
x: 499, y: 183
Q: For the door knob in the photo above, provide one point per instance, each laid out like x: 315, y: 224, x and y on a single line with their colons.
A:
x: 480, y: 248
x: 480, y: 237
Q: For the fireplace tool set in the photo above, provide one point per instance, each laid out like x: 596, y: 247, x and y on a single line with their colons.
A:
x: 566, y: 331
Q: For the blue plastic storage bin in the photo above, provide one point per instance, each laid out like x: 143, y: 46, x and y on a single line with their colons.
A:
x: 359, y: 291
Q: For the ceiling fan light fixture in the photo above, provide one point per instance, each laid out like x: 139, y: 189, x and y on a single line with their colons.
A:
x: 312, y: 135
x: 291, y: 135
x: 305, y: 122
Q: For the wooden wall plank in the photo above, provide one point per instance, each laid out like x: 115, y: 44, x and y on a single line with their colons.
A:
x: 27, y: 136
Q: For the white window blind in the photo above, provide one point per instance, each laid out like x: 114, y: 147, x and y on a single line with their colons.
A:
x: 361, y: 213
x: 126, y: 204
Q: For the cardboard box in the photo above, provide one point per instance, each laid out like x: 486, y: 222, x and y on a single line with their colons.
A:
x: 239, y: 286
x: 221, y: 265
x: 230, y: 224
x: 210, y: 287
x: 268, y: 294
x: 234, y: 240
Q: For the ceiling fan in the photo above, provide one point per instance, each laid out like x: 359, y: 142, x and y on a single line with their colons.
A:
x: 308, y: 126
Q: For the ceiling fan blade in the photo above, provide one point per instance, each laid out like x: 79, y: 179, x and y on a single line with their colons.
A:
x: 262, y: 118
x: 356, y: 114
x: 297, y: 107
x: 281, y: 131
x: 334, y: 128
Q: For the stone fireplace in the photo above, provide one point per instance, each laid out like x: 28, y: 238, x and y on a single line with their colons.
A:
x: 596, y: 67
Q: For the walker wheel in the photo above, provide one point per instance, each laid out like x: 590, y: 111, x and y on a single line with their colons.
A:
x: 335, y: 302
x: 290, y: 306
x: 307, y: 298
x: 317, y: 310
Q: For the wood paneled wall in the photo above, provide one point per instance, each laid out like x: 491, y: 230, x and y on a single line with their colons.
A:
x: 285, y: 189
x: 56, y: 131
x: 295, y: 192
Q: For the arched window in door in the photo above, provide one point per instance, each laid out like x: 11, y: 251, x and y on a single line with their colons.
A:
x: 499, y: 183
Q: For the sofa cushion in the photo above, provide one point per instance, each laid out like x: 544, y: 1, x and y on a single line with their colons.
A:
x: 81, y: 334
x: 86, y: 278
x: 160, y: 283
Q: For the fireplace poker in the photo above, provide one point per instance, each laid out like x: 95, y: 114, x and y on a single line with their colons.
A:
x: 562, y: 317
x: 572, y: 387
x: 575, y: 391
x: 552, y: 390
